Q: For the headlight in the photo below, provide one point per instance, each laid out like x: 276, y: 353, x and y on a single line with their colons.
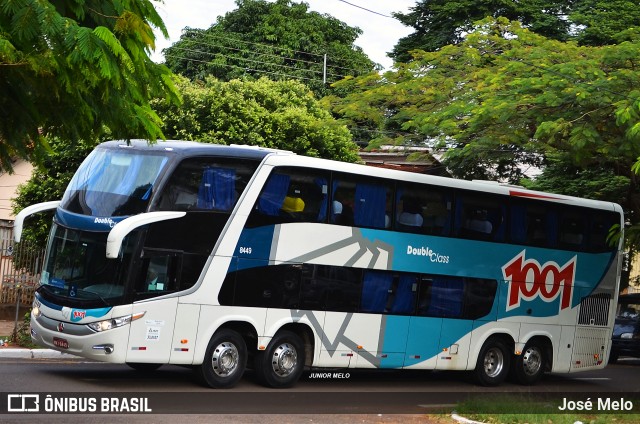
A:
x: 109, y: 324
x: 626, y: 336
x: 35, y: 311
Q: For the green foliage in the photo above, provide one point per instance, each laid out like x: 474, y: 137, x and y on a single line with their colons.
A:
x: 22, y: 337
x: 275, y: 114
x: 48, y: 182
x: 280, y: 40
x: 442, y: 22
x: 438, y: 23
x: 605, y: 22
x: 505, y: 100
x: 75, y: 68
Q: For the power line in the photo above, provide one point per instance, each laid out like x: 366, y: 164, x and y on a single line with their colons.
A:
x: 268, y: 46
x: 368, y: 10
x: 239, y: 58
x: 241, y: 67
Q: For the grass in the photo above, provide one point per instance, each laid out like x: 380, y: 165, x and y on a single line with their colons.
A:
x: 530, y: 408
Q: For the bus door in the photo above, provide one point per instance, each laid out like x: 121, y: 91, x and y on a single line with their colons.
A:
x: 150, y: 338
x: 423, y: 336
x: 335, y: 290
x: 387, y: 302
x: 438, y: 337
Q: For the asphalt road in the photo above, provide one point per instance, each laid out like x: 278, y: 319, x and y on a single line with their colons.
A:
x: 378, y: 395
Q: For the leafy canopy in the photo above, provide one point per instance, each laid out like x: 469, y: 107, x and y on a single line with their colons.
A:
x: 278, y: 40
x: 438, y: 23
x: 505, y: 99
x: 275, y: 114
x: 71, y: 68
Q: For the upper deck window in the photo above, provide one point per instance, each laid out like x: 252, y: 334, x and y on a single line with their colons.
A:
x: 113, y: 183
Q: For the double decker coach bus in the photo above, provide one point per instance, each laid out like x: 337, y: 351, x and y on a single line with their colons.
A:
x: 226, y: 257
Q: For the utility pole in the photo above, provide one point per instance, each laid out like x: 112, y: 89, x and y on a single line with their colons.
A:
x: 324, y: 70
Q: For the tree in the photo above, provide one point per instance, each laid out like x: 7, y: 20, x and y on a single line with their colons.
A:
x: 73, y: 68
x: 279, y: 40
x: 438, y: 23
x: 275, y: 114
x: 603, y: 22
x: 48, y: 181
x: 506, y: 98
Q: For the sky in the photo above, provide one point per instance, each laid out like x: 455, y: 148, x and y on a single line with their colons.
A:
x: 379, y: 33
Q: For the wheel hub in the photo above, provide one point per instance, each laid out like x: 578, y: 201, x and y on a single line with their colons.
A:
x: 531, y: 361
x: 284, y: 360
x: 493, y: 362
x: 225, y: 359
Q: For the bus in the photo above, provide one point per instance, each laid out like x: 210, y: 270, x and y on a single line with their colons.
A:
x: 224, y: 258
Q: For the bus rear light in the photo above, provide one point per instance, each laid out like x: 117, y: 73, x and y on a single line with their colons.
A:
x: 181, y: 349
x: 139, y: 348
x: 184, y: 341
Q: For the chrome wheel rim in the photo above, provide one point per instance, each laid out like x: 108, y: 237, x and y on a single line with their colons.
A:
x: 531, y: 361
x: 493, y: 362
x: 225, y: 359
x: 284, y: 360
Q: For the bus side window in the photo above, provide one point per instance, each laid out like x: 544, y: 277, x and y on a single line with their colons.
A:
x: 293, y: 195
x: 387, y: 292
x: 442, y: 297
x: 598, y: 236
x: 158, y: 275
x: 361, y: 202
x: 572, y: 231
x: 480, y: 218
x: 205, y: 184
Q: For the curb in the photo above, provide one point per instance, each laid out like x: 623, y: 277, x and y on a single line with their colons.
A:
x: 464, y: 420
x: 34, y: 354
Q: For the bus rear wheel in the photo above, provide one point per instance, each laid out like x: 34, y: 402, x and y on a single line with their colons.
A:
x: 224, y: 361
x: 282, y: 363
x: 492, y: 366
x: 529, y: 366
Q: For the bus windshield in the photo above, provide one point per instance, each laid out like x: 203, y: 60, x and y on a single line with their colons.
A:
x: 113, y: 183
x: 77, y: 269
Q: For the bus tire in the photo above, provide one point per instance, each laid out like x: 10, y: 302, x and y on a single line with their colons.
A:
x: 282, y: 363
x: 492, y: 366
x: 224, y: 361
x: 142, y: 367
x: 529, y: 366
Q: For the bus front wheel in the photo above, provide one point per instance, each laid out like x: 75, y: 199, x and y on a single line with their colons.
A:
x: 528, y: 367
x: 282, y: 363
x: 492, y: 366
x: 224, y: 361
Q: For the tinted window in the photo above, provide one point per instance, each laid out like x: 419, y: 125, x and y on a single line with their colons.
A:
x: 423, y: 209
x: 480, y: 216
x: 113, y: 183
x: 292, y: 195
x: 533, y: 223
x: 455, y: 297
x: 331, y: 288
x: 206, y: 184
x: 361, y: 202
x: 601, y: 225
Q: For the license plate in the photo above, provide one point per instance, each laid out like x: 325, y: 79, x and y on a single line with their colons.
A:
x: 61, y: 343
